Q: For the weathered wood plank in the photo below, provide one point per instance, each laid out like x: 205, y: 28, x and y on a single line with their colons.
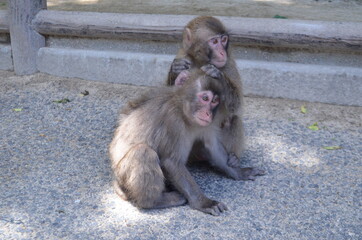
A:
x: 296, y: 33
x: 25, y: 42
x: 244, y: 31
x: 110, y: 25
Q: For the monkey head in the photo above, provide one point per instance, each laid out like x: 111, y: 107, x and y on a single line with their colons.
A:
x: 202, y: 98
x: 206, y: 41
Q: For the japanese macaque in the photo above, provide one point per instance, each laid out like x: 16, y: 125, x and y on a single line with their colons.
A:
x: 152, y: 143
x: 205, y: 45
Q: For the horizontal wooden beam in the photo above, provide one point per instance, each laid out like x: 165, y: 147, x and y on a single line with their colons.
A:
x: 295, y: 33
x: 244, y: 31
x: 110, y: 25
x: 4, y: 22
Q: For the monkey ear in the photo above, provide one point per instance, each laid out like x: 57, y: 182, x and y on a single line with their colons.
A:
x: 187, y: 36
x: 182, y: 78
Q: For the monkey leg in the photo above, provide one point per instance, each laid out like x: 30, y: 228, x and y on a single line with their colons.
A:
x: 170, y: 199
x: 140, y: 180
x: 232, y: 137
x: 220, y: 159
x: 185, y: 183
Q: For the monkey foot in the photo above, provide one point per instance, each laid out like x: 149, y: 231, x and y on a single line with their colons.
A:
x: 217, y: 209
x: 249, y: 173
x: 209, y: 206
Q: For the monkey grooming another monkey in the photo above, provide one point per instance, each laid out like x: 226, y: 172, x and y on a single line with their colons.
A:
x: 205, y: 45
x: 153, y: 140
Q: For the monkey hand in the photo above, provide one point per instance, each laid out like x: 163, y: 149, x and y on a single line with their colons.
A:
x: 249, y: 173
x: 212, y: 71
x: 179, y: 65
x: 209, y: 206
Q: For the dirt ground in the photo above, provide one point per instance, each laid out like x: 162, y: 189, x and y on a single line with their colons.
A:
x: 326, y: 10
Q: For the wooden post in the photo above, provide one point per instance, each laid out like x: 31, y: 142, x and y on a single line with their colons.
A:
x: 25, y: 42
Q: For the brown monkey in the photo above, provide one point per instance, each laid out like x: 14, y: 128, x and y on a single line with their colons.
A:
x: 153, y: 140
x: 205, y: 45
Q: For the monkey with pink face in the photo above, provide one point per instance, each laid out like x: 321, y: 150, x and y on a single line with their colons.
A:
x: 152, y: 144
x: 205, y: 46
x: 200, y: 116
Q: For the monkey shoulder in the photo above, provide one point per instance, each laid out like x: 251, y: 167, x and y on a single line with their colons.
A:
x: 141, y: 100
x: 154, y: 113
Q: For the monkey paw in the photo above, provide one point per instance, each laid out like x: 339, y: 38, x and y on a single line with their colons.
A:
x: 249, y: 173
x: 209, y: 206
x: 178, y: 65
x: 212, y: 71
x: 233, y: 161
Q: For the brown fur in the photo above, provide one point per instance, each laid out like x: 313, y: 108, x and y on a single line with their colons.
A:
x: 152, y: 144
x: 197, y: 53
x: 202, y: 28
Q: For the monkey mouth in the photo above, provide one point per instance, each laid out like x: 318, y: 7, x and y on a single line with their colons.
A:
x: 219, y: 63
x: 203, y: 122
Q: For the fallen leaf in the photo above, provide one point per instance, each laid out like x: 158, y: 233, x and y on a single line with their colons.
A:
x: 17, y: 109
x: 332, y: 147
x: 64, y: 100
x: 314, y: 127
x: 303, y: 109
x: 280, y: 17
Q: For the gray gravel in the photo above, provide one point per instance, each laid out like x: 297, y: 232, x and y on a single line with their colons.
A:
x: 55, y: 175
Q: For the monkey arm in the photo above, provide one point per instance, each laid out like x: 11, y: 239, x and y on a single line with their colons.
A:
x: 228, y: 162
x: 213, y: 72
x: 178, y: 65
x: 183, y: 181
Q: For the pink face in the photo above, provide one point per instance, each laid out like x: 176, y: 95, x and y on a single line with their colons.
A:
x: 207, y: 102
x: 218, y: 45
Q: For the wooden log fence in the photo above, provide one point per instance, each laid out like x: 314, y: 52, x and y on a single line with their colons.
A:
x: 28, y: 23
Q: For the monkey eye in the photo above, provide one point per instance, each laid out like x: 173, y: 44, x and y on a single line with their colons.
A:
x: 215, y: 41
x: 216, y: 99
x: 205, y: 98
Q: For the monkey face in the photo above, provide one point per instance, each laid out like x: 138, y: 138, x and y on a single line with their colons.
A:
x: 206, y: 105
x: 218, y: 45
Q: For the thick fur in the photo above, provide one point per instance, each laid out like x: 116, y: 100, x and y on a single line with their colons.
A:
x: 152, y: 144
x: 198, y: 55
x: 196, y: 52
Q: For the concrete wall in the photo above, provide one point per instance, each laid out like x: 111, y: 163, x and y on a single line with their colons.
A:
x: 6, y: 62
x: 315, y: 76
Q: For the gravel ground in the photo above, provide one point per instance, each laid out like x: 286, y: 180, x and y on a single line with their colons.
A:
x: 55, y: 180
